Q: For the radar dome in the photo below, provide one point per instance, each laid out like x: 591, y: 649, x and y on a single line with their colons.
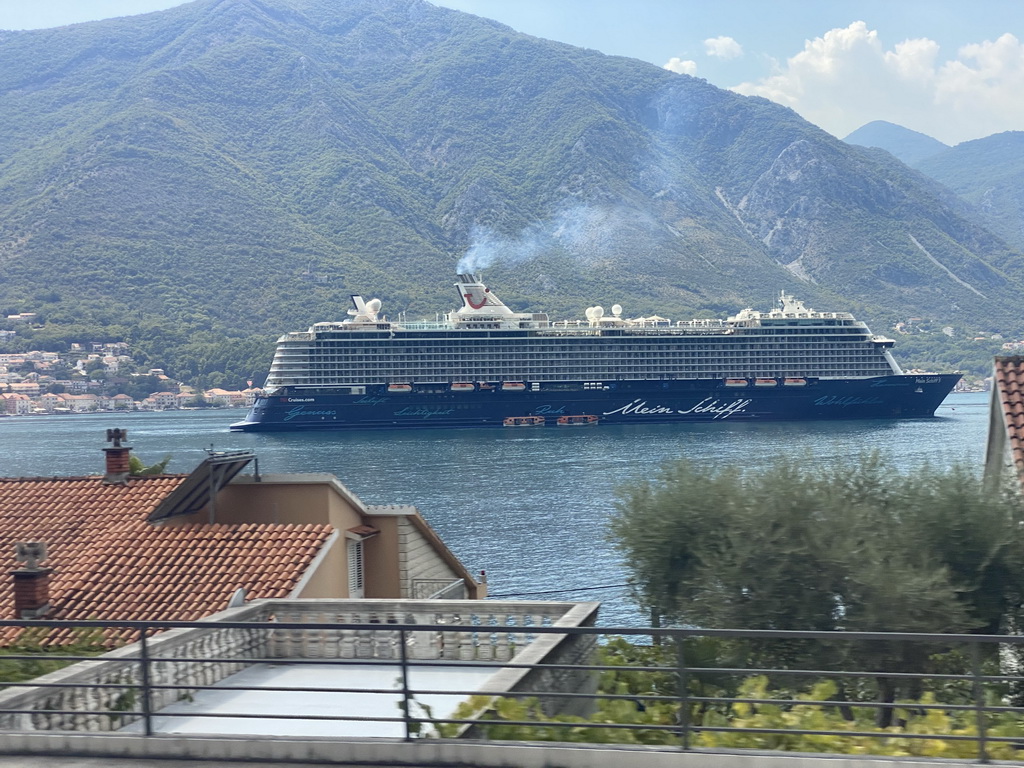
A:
x: 590, y: 313
x: 616, y: 309
x: 373, y: 306
x: 598, y: 312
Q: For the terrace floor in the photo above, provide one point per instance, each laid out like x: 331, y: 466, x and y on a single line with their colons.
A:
x: 187, y: 717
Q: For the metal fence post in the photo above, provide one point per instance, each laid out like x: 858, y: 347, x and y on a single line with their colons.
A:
x: 147, y: 714
x: 406, y: 698
x: 683, y: 690
x: 979, y: 701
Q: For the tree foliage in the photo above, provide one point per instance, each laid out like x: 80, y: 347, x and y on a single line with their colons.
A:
x: 138, y: 468
x: 44, y: 656
x: 859, y: 546
x: 938, y: 352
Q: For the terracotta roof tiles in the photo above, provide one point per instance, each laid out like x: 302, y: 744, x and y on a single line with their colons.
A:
x: 109, y: 563
x: 1009, y: 378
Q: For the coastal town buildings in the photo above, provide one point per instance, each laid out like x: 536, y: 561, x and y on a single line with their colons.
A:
x: 24, y: 401
x: 14, y: 404
x: 93, y: 377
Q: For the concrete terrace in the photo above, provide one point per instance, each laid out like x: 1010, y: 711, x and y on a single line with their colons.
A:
x: 267, y: 706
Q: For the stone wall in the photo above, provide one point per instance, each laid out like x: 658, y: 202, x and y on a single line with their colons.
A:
x: 103, y: 694
x: 548, y: 651
x: 500, y: 629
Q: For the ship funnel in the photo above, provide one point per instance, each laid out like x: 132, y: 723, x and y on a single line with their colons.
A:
x: 477, y: 298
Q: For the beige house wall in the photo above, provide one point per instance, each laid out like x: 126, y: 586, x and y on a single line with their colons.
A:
x: 330, y: 578
x: 422, y: 555
x: 404, y: 549
x: 295, y: 503
x: 381, y: 561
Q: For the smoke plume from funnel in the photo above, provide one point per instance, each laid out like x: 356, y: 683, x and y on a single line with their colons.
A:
x: 588, y: 233
x: 481, y: 254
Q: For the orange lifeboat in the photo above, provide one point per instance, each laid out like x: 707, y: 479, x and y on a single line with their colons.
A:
x: 577, y: 420
x: 524, y: 421
x: 765, y: 383
x: 399, y: 388
x: 513, y: 386
x: 463, y: 386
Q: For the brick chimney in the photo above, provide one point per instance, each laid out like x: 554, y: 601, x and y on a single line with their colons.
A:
x: 31, y: 583
x: 118, y: 458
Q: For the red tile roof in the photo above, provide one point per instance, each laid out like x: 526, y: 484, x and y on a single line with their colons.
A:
x: 1009, y: 379
x: 1009, y: 383
x: 109, y: 563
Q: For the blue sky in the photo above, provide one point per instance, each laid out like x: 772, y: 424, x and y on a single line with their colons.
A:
x: 948, y: 68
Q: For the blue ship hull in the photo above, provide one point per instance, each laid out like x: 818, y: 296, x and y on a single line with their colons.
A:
x: 619, y: 402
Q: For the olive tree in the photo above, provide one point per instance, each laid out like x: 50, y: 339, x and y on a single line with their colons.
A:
x: 857, y: 546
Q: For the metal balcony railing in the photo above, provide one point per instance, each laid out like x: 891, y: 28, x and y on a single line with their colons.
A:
x: 439, y: 589
x: 554, y: 663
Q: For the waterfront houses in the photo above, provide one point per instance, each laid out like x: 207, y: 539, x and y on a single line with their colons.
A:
x: 16, y: 402
x: 95, y: 377
x: 50, y: 402
x: 31, y: 383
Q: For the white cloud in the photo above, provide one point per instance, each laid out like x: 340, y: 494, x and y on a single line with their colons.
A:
x: 913, y: 59
x: 681, y: 67
x: 984, y: 84
x: 846, y: 78
x: 723, y: 47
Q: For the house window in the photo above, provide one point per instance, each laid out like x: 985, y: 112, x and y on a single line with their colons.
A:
x: 355, y: 569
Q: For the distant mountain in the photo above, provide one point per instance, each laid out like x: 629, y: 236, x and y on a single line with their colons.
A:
x: 907, y: 145
x: 988, y: 173
x: 232, y: 169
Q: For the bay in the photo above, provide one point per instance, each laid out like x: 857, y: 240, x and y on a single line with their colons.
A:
x: 528, y: 505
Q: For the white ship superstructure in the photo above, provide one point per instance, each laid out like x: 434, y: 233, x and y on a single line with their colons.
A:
x: 485, y: 341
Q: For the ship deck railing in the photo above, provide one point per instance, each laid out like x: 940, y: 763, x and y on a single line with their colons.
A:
x: 570, y: 327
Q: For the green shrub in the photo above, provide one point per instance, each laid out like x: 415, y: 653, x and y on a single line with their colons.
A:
x: 498, y: 718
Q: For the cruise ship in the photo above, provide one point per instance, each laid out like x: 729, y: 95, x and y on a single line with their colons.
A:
x: 485, y: 365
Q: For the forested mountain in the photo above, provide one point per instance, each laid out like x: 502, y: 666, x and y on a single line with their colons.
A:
x: 989, y: 173
x: 206, y: 177
x: 908, y: 146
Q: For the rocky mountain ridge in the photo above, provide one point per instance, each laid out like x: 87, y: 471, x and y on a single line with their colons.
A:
x: 237, y: 168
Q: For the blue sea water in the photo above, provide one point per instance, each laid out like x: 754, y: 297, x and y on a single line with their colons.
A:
x: 528, y: 505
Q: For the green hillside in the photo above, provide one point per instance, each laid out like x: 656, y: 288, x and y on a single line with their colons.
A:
x: 989, y: 173
x: 202, y: 179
